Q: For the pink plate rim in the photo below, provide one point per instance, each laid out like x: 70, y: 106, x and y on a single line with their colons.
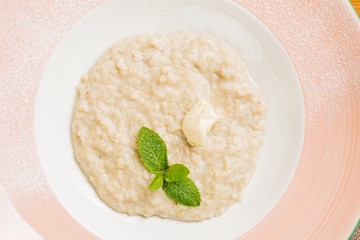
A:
x: 321, y: 39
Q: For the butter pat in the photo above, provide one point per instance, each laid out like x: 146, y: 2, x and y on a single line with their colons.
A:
x: 198, y: 122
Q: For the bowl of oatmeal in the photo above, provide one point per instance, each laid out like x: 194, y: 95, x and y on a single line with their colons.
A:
x: 89, y: 155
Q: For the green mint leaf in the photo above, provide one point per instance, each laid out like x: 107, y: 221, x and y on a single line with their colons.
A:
x: 177, y: 185
x: 184, y: 192
x: 152, y: 150
x: 157, y: 182
x: 176, y: 172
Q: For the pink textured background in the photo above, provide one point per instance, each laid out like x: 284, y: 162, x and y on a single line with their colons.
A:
x: 322, y: 39
x: 30, y: 30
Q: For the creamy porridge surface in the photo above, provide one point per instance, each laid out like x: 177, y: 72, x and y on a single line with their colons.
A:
x: 153, y: 80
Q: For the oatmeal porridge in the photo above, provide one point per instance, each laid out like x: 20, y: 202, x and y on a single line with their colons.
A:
x: 154, y: 80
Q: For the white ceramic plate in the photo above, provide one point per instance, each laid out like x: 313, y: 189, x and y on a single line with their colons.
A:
x: 267, y: 63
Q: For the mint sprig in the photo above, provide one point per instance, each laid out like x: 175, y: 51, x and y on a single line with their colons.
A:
x: 173, y: 179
